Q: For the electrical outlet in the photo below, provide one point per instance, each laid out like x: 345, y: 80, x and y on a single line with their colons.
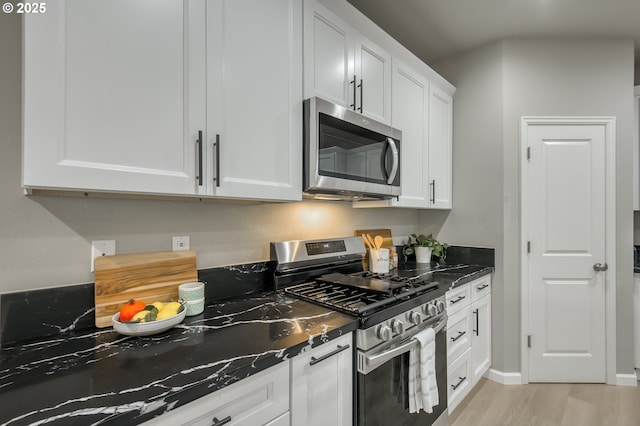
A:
x: 180, y: 243
x: 102, y: 248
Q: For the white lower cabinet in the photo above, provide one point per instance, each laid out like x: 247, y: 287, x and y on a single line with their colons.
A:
x: 313, y: 388
x: 261, y: 399
x: 468, y: 337
x: 322, y: 385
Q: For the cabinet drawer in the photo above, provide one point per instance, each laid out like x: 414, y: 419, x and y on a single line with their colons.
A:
x: 458, y: 298
x: 480, y: 287
x: 459, y: 329
x: 256, y: 400
x: 458, y: 380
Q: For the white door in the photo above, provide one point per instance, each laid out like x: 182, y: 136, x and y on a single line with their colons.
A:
x: 565, y: 209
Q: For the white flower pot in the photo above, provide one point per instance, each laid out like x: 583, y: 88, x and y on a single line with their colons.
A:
x: 423, y: 254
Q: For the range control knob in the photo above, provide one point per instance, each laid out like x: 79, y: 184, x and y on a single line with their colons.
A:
x: 432, y: 310
x: 397, y: 326
x: 414, y: 318
x: 440, y: 306
x: 383, y: 332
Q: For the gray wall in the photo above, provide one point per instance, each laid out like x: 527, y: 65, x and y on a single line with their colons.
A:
x: 45, y: 241
x: 536, y: 77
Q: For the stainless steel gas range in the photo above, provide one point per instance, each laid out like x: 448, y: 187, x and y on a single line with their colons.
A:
x: 391, y: 309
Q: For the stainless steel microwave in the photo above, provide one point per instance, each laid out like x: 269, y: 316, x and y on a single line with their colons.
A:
x: 347, y: 155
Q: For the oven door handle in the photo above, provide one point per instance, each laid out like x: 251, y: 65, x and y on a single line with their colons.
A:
x: 369, y: 362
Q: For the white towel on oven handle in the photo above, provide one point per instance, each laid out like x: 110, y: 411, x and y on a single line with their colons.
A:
x: 423, y: 387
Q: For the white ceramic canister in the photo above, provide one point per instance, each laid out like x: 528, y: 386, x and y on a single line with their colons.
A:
x: 193, y: 295
x: 379, y: 261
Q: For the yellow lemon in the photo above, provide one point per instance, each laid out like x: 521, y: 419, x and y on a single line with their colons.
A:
x: 140, y: 316
x: 158, y: 305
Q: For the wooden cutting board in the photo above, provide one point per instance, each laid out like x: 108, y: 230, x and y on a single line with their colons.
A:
x: 387, y: 241
x: 149, y: 277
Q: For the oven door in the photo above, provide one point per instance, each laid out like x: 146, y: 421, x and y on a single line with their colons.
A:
x: 382, y: 392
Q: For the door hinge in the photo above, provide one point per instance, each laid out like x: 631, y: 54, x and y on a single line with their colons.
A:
x: 528, y: 246
x: 528, y: 153
x: 529, y: 341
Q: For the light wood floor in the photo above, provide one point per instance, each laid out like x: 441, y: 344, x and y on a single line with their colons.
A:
x: 492, y: 404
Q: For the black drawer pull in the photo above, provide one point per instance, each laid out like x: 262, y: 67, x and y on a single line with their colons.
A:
x: 482, y: 287
x: 460, y: 334
x: 457, y: 385
x: 453, y: 302
x: 339, y: 349
x: 224, y: 421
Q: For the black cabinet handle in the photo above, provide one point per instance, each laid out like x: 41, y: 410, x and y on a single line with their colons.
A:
x: 199, y: 144
x: 315, y: 360
x: 457, y: 385
x: 217, y: 144
x: 353, y: 105
x: 433, y: 191
x: 482, y: 287
x: 361, y: 87
x: 460, y: 334
x: 477, y: 314
x: 224, y: 421
x: 453, y: 302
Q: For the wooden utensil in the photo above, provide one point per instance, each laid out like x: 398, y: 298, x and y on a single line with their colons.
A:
x: 149, y: 277
x: 378, y: 240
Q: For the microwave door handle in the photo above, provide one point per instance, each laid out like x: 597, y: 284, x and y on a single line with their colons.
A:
x: 396, y: 160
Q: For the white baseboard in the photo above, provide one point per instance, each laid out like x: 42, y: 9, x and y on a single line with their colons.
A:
x: 504, y: 378
x: 516, y: 378
x: 627, y: 379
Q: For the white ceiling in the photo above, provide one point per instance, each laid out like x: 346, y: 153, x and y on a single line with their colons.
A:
x: 436, y: 29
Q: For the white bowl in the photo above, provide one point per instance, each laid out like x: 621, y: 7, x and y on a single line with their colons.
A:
x: 147, y: 328
x: 191, y: 291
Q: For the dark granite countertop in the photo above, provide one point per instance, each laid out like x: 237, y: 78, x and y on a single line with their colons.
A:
x: 101, y: 377
x: 449, y: 276
x: 81, y: 375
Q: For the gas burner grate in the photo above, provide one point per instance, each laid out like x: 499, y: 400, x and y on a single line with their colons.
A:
x: 352, y: 300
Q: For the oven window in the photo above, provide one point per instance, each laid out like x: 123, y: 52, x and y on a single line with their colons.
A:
x: 351, y: 152
x: 382, y: 394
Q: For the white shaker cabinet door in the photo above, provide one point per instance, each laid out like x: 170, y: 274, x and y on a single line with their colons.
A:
x: 322, y: 384
x: 343, y: 66
x: 410, y: 115
x: 254, y: 99
x: 114, y: 96
x: 328, y: 56
x: 372, y: 80
x: 481, y: 337
x: 440, y: 148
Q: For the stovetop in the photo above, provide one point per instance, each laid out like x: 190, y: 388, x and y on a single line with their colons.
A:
x: 370, y: 297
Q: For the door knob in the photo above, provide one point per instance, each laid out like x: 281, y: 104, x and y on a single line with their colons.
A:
x: 600, y: 267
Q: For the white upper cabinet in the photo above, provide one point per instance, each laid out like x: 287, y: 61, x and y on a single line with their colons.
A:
x: 107, y: 106
x: 343, y: 66
x: 254, y: 99
x: 440, y: 147
x: 411, y: 115
x: 124, y: 96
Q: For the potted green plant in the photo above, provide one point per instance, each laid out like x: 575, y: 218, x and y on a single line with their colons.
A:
x: 424, y: 247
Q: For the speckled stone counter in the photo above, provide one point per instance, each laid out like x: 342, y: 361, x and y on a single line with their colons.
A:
x: 97, y: 376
